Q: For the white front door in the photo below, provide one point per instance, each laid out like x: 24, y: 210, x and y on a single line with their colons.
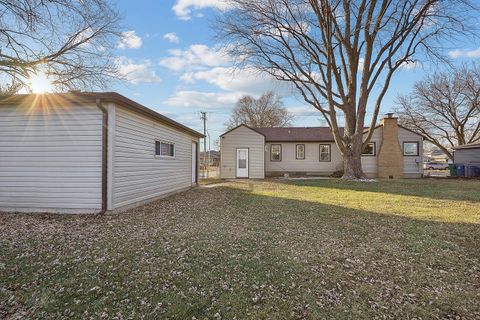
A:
x: 194, y: 162
x: 242, y: 163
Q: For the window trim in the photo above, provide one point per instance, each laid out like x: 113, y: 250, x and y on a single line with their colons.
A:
x: 329, y: 145
x: 411, y: 155
x: 296, y: 151
x: 374, y: 150
x: 271, y: 147
x: 163, y: 156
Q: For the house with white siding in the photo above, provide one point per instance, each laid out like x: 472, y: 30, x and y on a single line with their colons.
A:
x: 393, y: 152
x: 469, y: 156
x: 90, y: 153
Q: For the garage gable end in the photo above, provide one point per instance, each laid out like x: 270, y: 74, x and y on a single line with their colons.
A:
x: 51, y: 158
x: 242, y: 137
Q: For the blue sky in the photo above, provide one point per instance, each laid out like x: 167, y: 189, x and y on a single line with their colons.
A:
x: 175, y: 67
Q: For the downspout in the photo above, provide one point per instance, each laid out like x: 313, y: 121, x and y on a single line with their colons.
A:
x: 104, y: 154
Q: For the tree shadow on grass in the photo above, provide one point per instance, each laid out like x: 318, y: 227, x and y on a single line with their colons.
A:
x: 235, y: 252
x: 461, y: 190
x: 372, y: 263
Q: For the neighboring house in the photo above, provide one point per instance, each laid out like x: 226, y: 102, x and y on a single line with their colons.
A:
x: 468, y: 155
x: 393, y: 152
x: 89, y: 153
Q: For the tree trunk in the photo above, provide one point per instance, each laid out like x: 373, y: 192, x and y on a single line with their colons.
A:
x: 352, y: 166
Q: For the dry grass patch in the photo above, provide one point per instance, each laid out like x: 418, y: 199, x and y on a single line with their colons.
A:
x: 254, y: 249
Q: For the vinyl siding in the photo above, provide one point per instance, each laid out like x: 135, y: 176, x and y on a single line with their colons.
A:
x: 412, y: 165
x: 369, y: 163
x: 139, y: 175
x: 50, y: 158
x: 311, y: 163
x: 466, y: 156
x: 242, y: 137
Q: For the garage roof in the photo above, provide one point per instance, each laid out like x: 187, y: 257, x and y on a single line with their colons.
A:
x: 91, y: 97
x: 468, y: 146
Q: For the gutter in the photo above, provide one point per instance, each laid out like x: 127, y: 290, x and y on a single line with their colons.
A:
x: 104, y: 153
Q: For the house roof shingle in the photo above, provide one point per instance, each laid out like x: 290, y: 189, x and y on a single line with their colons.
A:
x: 298, y: 134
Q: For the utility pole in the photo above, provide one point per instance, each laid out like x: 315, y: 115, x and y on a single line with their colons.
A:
x: 209, y: 148
x: 204, y: 118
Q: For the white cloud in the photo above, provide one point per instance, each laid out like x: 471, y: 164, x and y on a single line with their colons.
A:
x: 137, y: 72
x: 361, y: 63
x: 190, y: 119
x: 82, y: 36
x: 196, y: 56
x: 205, y: 100
x: 234, y: 84
x: 188, y: 77
x: 171, y: 37
x: 411, y: 65
x: 183, y: 8
x: 465, y: 53
x: 130, y: 40
x: 304, y: 111
x: 245, y: 81
x: 200, y: 63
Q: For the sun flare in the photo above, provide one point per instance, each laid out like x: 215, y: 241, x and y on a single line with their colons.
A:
x: 40, y: 83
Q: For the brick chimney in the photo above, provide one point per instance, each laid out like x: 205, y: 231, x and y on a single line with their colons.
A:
x: 390, y: 156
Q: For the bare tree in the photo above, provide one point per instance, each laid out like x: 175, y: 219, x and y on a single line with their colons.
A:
x: 444, y: 108
x: 9, y: 88
x: 266, y: 111
x: 341, y: 55
x: 70, y: 41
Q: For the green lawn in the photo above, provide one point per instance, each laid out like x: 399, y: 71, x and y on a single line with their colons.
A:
x: 255, y: 249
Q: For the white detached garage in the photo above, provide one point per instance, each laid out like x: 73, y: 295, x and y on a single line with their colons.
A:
x: 89, y: 153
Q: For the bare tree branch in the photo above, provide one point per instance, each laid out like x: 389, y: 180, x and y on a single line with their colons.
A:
x: 71, y: 41
x: 341, y: 55
x: 266, y: 111
x: 444, y: 108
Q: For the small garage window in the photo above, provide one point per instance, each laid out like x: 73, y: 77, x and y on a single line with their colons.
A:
x: 410, y: 148
x: 164, y: 149
x: 276, y: 152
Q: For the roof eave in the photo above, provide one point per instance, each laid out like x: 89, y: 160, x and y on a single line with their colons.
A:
x: 466, y: 147
x: 91, y: 97
x: 300, y: 141
x: 122, y: 100
x: 241, y: 125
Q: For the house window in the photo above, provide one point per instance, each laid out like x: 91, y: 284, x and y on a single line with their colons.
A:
x: 369, y: 149
x: 164, y: 149
x: 300, y: 152
x: 276, y: 152
x: 325, y: 154
x: 410, y: 148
